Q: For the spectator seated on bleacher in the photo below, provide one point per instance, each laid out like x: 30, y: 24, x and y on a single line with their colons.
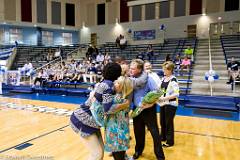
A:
x: 233, y: 70
x: 118, y: 41
x: 63, y: 54
x: 168, y: 58
x: 95, y: 53
x: 27, y: 68
x: 186, y: 63
x: 67, y: 73
x: 140, y: 55
x: 189, y: 52
x: 58, y: 73
x: 100, y: 58
x: 80, y: 70
x: 73, y: 65
x: 50, y: 55
x: 91, y: 73
x: 70, y: 71
x: 89, y: 52
x: 177, y: 61
x: 99, y: 68
x: 16, y: 43
x: 41, y: 78
x: 57, y: 54
x: 107, y: 57
x: 150, y: 52
x: 50, y: 72
x: 123, y: 42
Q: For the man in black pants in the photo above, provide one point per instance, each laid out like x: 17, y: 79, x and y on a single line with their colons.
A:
x: 147, y: 117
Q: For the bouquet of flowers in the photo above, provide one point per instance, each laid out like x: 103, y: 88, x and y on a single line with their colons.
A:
x: 149, y: 98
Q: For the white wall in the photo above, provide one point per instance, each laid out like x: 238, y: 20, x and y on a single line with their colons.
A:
x: 175, y: 27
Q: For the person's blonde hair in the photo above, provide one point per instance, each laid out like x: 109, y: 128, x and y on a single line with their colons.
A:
x: 126, y: 84
x: 125, y: 69
x: 139, y: 63
x: 168, y: 65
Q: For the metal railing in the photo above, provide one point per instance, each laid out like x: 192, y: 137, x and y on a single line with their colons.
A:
x: 57, y: 59
x: 210, y: 63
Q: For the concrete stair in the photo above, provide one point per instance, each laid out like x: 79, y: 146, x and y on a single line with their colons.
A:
x: 199, y: 84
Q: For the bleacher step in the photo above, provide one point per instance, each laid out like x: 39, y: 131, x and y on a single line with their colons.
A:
x: 212, y: 102
x: 211, y: 106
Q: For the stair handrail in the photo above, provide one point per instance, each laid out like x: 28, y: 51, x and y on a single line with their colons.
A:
x: 194, y: 50
x: 224, y: 51
x: 210, y: 63
x: 57, y: 59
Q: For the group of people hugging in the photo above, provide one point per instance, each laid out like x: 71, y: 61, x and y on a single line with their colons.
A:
x: 108, y: 107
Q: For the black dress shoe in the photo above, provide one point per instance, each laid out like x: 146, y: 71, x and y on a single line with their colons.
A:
x: 136, y: 155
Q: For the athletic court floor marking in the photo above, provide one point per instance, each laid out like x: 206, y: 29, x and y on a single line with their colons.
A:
x: 35, y: 108
x: 61, y: 129
x: 45, y: 134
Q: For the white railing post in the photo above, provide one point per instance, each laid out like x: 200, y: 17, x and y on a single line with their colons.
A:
x: 210, y: 63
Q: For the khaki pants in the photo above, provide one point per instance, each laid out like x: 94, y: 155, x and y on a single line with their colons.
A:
x: 92, y: 77
x: 94, y: 144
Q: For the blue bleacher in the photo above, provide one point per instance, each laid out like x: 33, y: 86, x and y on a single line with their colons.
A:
x: 170, y: 46
x: 231, y: 46
x: 5, y: 52
x: 212, y: 102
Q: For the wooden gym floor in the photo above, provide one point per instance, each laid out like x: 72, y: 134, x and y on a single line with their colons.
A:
x: 49, y: 136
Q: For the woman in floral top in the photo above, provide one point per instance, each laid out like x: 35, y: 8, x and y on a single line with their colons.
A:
x: 117, y: 120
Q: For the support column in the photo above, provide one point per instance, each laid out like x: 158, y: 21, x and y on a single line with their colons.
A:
x: 1, y: 10
x: 130, y: 14
x: 157, y: 10
x: 18, y: 11
x: 77, y: 14
x: 118, y: 3
x: 63, y: 13
x: 34, y: 11
x: 106, y: 13
x: 187, y: 12
x: 143, y: 12
x: 172, y: 3
x: 222, y: 5
x: 49, y: 12
x: 239, y: 5
x: 204, y: 6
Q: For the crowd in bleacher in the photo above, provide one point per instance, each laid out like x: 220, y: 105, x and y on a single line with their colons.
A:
x: 181, y: 63
x: 88, y: 69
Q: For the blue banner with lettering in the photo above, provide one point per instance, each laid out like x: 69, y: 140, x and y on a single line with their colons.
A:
x: 144, y: 35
